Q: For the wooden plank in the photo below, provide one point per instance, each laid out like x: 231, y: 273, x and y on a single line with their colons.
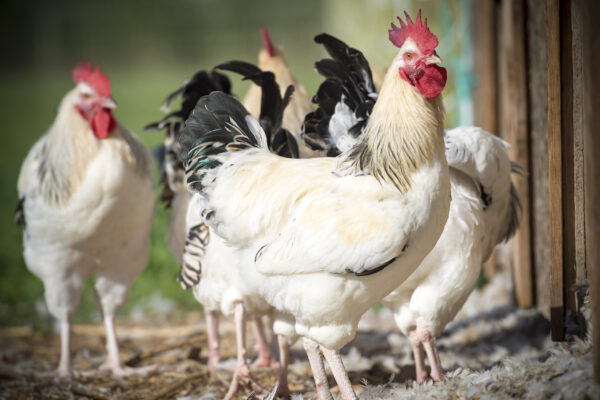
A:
x: 591, y: 126
x: 485, y: 90
x: 555, y: 169
x: 567, y: 154
x: 537, y: 65
x: 578, y: 157
x: 514, y: 128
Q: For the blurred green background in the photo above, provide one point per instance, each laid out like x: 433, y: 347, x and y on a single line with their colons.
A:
x: 147, y: 48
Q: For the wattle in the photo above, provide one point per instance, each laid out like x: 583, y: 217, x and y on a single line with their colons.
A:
x: 432, y: 81
x: 102, y: 123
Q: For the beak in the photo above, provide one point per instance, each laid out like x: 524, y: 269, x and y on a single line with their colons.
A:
x: 433, y: 59
x: 109, y: 103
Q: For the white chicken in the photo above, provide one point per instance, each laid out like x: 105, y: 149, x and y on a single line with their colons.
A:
x: 483, y: 211
x: 86, y: 203
x: 324, y: 239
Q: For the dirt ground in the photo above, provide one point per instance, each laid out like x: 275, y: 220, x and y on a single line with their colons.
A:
x: 492, y: 351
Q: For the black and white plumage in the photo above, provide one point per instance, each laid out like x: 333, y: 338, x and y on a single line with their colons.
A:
x: 172, y: 174
x: 345, y: 99
x: 484, y: 210
x: 308, y: 230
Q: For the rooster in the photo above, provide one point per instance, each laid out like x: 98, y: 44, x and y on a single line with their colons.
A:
x: 483, y: 211
x: 324, y: 239
x: 86, y: 200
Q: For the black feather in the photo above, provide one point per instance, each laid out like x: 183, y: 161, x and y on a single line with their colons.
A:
x: 348, y: 80
x: 20, y: 212
x: 200, y: 84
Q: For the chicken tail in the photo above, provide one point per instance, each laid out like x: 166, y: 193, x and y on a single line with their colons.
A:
x: 193, y: 252
x: 345, y: 99
x: 172, y: 173
x: 272, y: 106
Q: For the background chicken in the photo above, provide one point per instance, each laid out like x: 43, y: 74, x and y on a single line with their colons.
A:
x: 86, y: 201
x: 180, y: 232
x: 324, y: 239
x: 483, y: 211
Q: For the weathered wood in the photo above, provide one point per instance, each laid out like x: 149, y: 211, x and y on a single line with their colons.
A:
x: 555, y: 169
x: 591, y: 127
x: 567, y: 154
x: 485, y: 90
x: 537, y: 80
x: 578, y: 158
x: 513, y: 124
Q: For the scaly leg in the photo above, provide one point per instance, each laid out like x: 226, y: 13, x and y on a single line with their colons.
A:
x: 417, y: 348
x: 212, y: 328
x: 428, y: 341
x: 113, y: 359
x: 284, y: 353
x: 339, y: 373
x: 241, y: 375
x: 316, y: 364
x: 64, y: 366
x: 265, y: 356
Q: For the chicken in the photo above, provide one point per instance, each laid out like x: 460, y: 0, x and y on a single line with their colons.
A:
x: 210, y: 266
x: 483, y: 211
x: 182, y: 233
x: 324, y: 239
x: 175, y: 195
x: 86, y: 203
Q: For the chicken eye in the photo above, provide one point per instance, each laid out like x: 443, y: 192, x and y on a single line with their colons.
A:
x: 86, y: 96
x: 409, y: 56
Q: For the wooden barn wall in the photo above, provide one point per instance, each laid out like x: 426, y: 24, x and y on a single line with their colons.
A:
x: 537, y: 94
x: 513, y: 127
x: 591, y: 145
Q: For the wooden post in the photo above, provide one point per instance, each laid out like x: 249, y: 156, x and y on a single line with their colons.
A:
x: 567, y: 154
x: 537, y: 79
x: 555, y: 169
x: 514, y: 128
x: 591, y: 127
x: 485, y: 91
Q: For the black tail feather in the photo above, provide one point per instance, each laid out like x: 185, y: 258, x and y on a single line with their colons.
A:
x: 348, y: 80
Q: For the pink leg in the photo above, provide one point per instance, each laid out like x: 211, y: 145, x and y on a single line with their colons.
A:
x: 265, y: 357
x: 241, y: 375
x: 417, y: 348
x: 64, y: 366
x: 339, y: 373
x: 428, y: 341
x: 316, y: 364
x: 212, y: 330
x: 284, y: 352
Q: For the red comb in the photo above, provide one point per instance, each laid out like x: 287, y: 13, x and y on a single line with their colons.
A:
x: 419, y: 32
x: 83, y: 72
x: 267, y: 40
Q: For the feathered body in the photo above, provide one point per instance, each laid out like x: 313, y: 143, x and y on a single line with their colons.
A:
x: 483, y: 212
x: 313, y: 225
x: 318, y: 223
x: 324, y: 239
x: 88, y: 206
